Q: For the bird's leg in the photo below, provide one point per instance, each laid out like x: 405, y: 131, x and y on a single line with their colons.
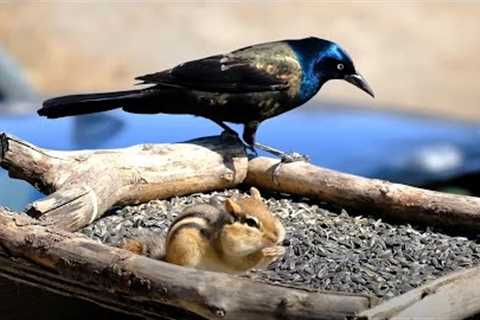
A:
x: 249, y: 137
x: 226, y: 129
x: 229, y: 132
x: 249, y: 131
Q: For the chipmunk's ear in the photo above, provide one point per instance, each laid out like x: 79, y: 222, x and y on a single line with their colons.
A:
x: 255, y: 193
x: 232, y: 207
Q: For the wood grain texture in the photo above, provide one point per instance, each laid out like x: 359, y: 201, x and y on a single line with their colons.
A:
x: 377, y: 197
x: 453, y: 297
x: 83, y: 185
x: 73, y: 264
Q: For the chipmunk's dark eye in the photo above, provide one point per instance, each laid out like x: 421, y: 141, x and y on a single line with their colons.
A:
x: 251, y: 222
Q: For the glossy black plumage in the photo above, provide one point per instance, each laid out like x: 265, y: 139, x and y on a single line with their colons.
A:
x: 245, y: 86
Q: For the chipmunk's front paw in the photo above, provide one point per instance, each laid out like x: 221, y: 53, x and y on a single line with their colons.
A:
x: 270, y: 255
x: 276, y: 252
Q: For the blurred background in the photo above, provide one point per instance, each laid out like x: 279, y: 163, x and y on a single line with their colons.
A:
x: 421, y: 59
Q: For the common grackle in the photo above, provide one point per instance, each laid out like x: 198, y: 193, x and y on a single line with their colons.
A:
x: 245, y: 86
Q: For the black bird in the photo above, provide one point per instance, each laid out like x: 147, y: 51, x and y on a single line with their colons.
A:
x: 245, y: 86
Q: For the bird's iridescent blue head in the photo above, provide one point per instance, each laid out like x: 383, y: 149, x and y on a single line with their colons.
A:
x: 326, y: 60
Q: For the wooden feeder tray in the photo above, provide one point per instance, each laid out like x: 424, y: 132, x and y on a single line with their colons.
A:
x: 40, y: 247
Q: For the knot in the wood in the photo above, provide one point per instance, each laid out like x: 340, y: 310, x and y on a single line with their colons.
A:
x: 42, y: 244
x: 218, y: 312
x: 284, y: 303
x: 426, y: 292
x: 147, y: 147
x: 228, y: 176
x: 383, y: 188
x: 81, y: 157
x: 130, y: 280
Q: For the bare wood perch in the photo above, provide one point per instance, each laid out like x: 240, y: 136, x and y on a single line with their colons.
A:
x: 375, y: 196
x: 454, y: 297
x: 85, y: 184
x: 75, y: 265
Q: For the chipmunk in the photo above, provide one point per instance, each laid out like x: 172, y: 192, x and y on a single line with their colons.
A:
x: 242, y: 235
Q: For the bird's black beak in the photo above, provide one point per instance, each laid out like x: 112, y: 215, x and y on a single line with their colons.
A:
x: 358, y: 81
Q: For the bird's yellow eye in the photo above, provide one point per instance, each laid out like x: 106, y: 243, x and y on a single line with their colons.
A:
x: 340, y: 66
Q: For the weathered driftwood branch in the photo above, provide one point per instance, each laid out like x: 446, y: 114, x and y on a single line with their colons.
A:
x: 391, y: 200
x: 86, y: 184
x: 455, y: 296
x: 73, y: 264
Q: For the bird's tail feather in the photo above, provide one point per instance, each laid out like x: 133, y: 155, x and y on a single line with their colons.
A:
x: 89, y: 103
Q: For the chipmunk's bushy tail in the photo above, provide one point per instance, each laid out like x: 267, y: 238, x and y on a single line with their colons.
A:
x: 149, y: 244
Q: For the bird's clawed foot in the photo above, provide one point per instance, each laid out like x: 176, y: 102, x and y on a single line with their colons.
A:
x: 284, y: 157
x: 252, y: 150
x: 293, y: 157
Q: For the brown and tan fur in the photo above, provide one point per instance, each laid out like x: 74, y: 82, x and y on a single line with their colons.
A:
x: 241, y: 235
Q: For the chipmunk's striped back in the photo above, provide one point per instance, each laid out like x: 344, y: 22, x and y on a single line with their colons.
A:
x: 205, y: 218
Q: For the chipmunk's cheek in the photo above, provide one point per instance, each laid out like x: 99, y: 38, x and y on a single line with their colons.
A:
x: 253, y: 242
x: 234, y: 241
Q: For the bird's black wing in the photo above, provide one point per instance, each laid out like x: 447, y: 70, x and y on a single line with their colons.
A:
x: 221, y: 73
